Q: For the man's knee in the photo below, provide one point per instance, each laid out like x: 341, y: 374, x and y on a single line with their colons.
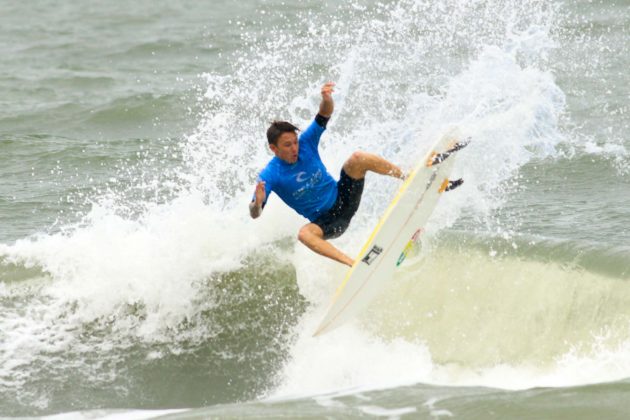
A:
x: 357, y: 158
x: 309, y: 232
x: 355, y: 166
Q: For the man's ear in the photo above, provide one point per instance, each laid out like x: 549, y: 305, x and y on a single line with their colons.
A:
x: 274, y: 148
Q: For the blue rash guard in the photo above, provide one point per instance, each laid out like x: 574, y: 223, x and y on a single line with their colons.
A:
x: 305, y: 186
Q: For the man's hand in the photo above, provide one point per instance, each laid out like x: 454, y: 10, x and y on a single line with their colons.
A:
x: 327, y: 105
x: 255, y: 207
x: 327, y: 90
x: 260, y: 193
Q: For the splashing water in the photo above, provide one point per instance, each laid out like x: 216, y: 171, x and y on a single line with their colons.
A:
x: 154, y: 282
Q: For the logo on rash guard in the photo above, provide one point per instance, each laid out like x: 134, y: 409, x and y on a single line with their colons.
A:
x: 312, y: 181
x: 300, y: 177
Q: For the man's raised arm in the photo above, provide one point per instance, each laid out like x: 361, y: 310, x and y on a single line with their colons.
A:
x: 327, y: 105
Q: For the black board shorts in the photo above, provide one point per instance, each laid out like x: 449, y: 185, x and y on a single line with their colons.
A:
x: 336, y: 220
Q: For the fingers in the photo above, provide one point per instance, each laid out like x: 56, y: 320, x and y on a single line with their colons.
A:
x: 328, y: 88
x: 260, y: 191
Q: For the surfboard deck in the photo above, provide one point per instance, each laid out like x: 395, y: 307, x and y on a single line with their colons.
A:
x: 394, y: 235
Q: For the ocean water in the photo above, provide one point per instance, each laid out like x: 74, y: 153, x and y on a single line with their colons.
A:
x: 133, y: 283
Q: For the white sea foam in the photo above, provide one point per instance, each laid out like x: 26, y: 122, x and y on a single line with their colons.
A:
x: 397, y: 90
x: 511, y: 107
x: 109, y: 265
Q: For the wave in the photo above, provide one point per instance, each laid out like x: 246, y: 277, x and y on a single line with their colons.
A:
x: 475, y: 310
x: 99, y: 322
x: 604, y: 259
x: 607, y: 400
x: 145, y: 285
x: 123, y: 115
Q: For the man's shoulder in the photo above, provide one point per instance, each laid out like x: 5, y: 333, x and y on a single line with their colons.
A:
x: 271, y: 168
x: 313, y: 131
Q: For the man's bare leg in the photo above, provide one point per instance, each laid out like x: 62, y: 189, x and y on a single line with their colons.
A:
x: 360, y: 162
x: 355, y: 167
x: 312, y: 236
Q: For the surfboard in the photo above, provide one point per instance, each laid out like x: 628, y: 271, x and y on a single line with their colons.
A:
x: 397, y: 231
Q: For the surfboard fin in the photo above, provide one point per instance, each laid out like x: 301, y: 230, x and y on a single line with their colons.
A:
x: 454, y: 184
x: 437, y: 158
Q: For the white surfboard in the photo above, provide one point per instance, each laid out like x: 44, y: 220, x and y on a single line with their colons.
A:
x: 393, y: 237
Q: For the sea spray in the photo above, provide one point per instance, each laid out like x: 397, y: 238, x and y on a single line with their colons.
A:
x: 155, y: 269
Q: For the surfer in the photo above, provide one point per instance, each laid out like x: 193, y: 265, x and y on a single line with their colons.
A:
x: 296, y: 173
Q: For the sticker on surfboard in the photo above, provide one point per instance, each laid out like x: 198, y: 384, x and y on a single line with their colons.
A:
x: 371, y: 256
x: 413, y: 242
x: 389, y: 244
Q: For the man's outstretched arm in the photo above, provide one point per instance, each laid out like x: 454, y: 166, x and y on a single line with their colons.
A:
x: 256, y: 206
x: 327, y: 105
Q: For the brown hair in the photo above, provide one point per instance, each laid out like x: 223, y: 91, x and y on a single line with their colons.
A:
x: 277, y: 128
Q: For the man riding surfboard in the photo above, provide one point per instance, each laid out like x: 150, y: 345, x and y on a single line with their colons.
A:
x: 298, y: 176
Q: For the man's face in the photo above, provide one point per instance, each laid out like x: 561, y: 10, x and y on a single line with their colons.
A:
x: 287, y: 147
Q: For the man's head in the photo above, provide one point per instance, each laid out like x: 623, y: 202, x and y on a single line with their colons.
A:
x: 283, y: 141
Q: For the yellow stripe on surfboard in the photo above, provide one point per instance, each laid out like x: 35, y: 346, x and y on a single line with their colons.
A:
x: 378, y: 227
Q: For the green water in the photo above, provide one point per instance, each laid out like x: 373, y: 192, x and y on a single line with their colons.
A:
x: 131, y: 277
